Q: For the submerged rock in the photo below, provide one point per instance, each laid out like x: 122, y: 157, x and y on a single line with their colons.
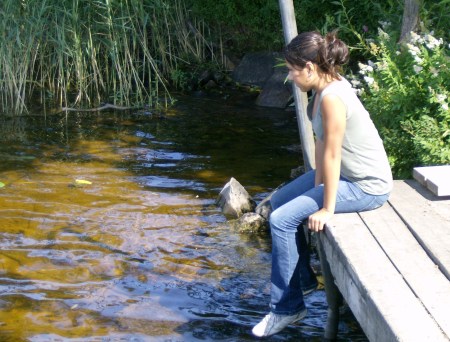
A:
x: 251, y: 222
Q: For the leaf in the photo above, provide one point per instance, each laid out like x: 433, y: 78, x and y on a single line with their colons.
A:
x: 2, y: 185
x: 82, y: 181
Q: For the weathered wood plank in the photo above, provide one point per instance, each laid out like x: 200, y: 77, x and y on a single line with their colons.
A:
x: 407, y: 255
x: 427, y: 218
x: 382, y: 302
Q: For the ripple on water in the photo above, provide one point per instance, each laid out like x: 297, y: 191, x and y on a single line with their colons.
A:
x: 140, y: 252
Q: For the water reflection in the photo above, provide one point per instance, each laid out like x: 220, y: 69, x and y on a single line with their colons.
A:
x: 139, y: 251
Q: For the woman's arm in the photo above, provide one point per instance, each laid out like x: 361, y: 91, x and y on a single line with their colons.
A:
x: 319, y: 162
x: 334, y: 123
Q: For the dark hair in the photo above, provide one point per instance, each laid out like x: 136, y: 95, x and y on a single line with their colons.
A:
x: 329, y: 53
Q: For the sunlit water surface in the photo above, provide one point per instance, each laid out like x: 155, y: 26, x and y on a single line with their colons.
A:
x: 109, y: 229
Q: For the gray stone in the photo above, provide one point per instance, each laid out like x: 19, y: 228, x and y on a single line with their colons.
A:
x: 264, y: 208
x: 256, y: 68
x: 235, y: 200
x: 276, y: 93
x: 251, y: 222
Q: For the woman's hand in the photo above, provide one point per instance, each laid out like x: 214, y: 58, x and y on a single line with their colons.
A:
x: 317, y: 220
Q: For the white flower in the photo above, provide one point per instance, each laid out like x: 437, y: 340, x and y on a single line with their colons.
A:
x: 397, y: 53
x: 369, y: 80
x: 432, y: 42
x: 413, y: 50
x: 417, y: 69
x: 418, y: 60
x: 383, y: 35
x: 355, y: 83
x: 441, y: 98
x: 415, y: 38
x: 384, y: 24
x: 364, y: 69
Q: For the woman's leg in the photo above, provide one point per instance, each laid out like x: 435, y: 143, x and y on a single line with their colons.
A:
x: 287, y: 262
x: 306, y: 278
x: 293, y: 189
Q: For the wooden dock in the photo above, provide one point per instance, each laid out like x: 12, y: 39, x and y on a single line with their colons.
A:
x: 392, y: 267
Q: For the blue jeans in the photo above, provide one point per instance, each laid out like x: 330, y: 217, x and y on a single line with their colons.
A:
x: 292, y: 205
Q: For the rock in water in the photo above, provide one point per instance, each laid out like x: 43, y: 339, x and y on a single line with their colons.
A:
x: 251, y: 222
x: 235, y: 200
x: 264, y: 208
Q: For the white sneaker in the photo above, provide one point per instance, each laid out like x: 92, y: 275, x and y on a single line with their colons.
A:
x: 273, y: 323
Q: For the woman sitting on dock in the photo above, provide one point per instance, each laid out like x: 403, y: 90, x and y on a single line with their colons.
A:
x: 352, y: 173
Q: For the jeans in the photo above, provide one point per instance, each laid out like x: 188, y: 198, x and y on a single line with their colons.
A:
x: 292, y: 205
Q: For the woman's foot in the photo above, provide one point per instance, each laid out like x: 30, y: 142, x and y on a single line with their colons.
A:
x: 273, y: 323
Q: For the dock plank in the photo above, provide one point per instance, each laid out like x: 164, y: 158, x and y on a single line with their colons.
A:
x: 407, y: 255
x: 376, y: 292
x: 427, y: 219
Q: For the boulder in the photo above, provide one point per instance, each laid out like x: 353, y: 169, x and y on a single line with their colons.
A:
x: 235, y: 200
x: 256, y: 68
x: 262, y: 69
x: 276, y: 93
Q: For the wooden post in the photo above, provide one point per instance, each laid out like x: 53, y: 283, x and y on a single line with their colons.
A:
x: 334, y: 296
x: 301, y: 100
x: 410, y: 19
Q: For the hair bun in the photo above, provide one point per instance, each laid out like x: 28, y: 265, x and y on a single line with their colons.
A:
x: 329, y: 53
x: 336, y: 49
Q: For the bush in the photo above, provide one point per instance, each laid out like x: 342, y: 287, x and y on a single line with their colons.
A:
x: 406, y: 91
x: 256, y: 25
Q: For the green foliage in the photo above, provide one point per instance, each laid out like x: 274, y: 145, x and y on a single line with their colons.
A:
x: 256, y: 25
x: 242, y: 25
x: 436, y: 15
x: 406, y: 90
x: 358, y: 20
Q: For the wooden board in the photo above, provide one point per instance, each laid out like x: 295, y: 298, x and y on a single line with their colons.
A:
x: 376, y: 292
x: 427, y: 217
x: 419, y: 271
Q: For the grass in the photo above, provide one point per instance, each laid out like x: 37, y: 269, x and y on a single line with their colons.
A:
x: 80, y: 53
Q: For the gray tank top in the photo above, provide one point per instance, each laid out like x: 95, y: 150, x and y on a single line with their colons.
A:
x: 364, y: 160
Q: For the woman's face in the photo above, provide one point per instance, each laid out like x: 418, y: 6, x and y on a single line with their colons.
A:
x: 300, y: 76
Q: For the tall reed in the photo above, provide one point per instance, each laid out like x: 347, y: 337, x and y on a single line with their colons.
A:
x: 80, y: 53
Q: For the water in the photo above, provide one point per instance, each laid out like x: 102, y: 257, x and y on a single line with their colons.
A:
x: 109, y: 229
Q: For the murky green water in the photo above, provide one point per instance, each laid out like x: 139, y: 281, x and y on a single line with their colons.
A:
x: 109, y: 230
